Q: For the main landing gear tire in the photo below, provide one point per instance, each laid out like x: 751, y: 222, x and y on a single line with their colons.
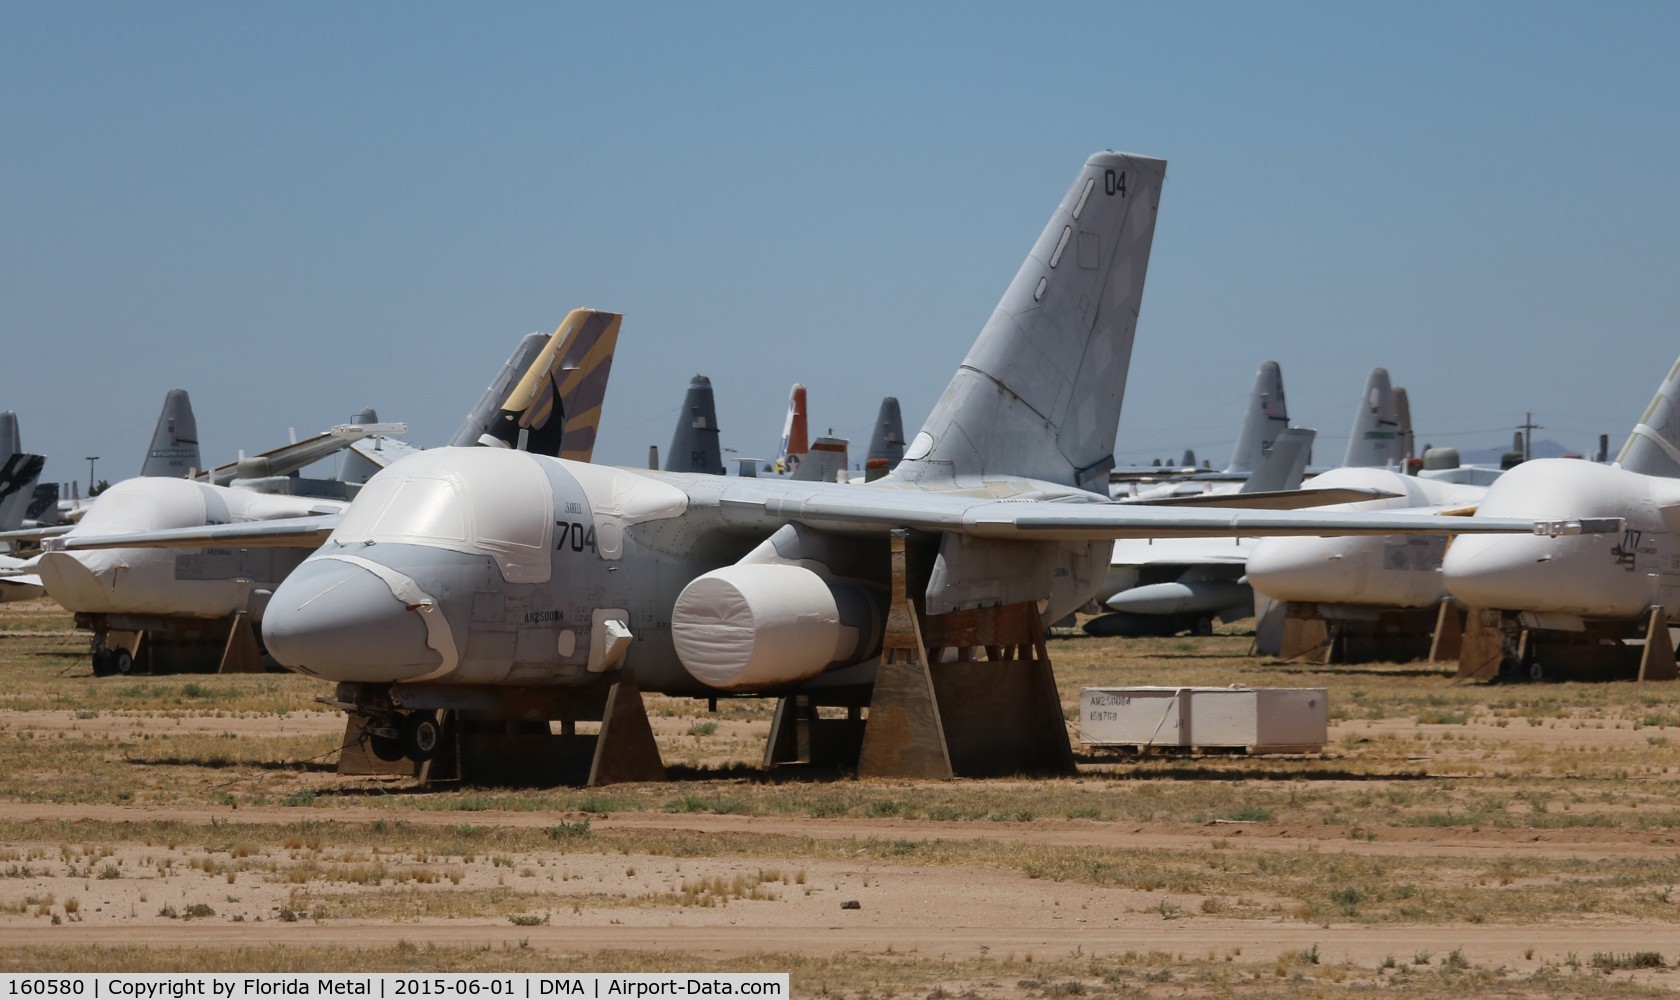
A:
x: 420, y: 736
x: 386, y: 748
x: 113, y: 661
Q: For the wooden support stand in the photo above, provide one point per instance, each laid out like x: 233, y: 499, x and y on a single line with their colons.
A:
x: 1449, y: 632
x: 483, y: 748
x: 357, y: 759
x: 1334, y: 634
x: 1481, y: 647
x: 800, y: 735
x: 1305, y: 635
x: 625, y: 750
x: 936, y: 717
x: 1656, y: 662
x: 241, y: 654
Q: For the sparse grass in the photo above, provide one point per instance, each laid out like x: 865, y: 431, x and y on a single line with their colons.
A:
x: 1469, y: 775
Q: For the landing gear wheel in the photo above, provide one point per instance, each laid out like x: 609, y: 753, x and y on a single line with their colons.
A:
x: 1204, y: 625
x: 1537, y: 672
x: 386, y: 748
x: 102, y: 663
x: 120, y: 661
x: 420, y: 736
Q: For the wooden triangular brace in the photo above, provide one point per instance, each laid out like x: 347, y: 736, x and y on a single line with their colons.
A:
x: 1482, y: 647
x: 445, y: 765
x: 1448, y: 641
x: 1304, y: 632
x: 626, y: 750
x: 357, y: 758
x: 241, y: 654
x: 904, y: 736
x: 790, y: 731
x: 1002, y: 715
x: 1656, y: 663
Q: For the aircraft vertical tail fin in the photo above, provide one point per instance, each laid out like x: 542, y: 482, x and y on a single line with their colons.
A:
x: 555, y: 408
x: 1403, y: 417
x: 886, y: 446
x: 795, y: 438
x: 1039, y: 393
x: 1267, y: 416
x: 18, y: 473
x: 826, y: 462
x: 694, y: 445
x: 10, y: 442
x: 1653, y: 448
x: 1284, y: 464
x: 174, y: 450
x: 480, y: 416
x: 1375, y: 441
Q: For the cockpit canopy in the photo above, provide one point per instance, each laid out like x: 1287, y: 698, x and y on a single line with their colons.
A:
x: 485, y: 501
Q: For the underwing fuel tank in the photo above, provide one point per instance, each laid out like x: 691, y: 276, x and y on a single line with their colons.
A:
x: 1181, y: 597
x: 757, y: 626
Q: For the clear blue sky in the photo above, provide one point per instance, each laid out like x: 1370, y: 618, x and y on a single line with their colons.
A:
x: 296, y: 210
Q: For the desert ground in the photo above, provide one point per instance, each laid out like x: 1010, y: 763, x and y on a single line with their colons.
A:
x: 1451, y: 839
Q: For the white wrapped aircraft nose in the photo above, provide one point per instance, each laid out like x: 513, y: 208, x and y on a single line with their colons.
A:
x: 335, y: 619
x: 1574, y: 575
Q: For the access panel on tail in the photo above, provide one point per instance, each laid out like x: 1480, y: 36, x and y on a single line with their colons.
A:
x: 1039, y: 394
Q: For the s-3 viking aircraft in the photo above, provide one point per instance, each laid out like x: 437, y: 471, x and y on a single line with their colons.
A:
x: 514, y: 589
x: 1569, y: 596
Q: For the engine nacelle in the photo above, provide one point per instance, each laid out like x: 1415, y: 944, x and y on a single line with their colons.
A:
x: 766, y: 625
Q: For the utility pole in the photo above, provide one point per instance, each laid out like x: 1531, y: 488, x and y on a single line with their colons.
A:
x: 91, y: 459
x: 1528, y: 428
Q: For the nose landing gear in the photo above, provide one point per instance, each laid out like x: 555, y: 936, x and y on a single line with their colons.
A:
x: 411, y: 735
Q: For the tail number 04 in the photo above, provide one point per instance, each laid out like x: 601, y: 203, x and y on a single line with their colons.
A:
x: 570, y: 535
x: 1114, y: 183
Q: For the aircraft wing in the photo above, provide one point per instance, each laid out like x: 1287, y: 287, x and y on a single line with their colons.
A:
x: 279, y: 533
x: 289, y: 458
x: 382, y: 451
x: 34, y: 534
x: 843, y: 509
x: 1269, y: 500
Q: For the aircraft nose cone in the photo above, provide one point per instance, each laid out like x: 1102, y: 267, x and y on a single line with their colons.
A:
x: 1510, y: 573
x: 74, y: 579
x: 337, y: 620
x: 1293, y: 569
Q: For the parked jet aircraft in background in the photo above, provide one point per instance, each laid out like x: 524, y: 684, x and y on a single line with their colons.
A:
x: 1163, y: 586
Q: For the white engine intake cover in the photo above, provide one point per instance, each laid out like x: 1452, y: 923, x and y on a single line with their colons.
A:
x: 753, y: 626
